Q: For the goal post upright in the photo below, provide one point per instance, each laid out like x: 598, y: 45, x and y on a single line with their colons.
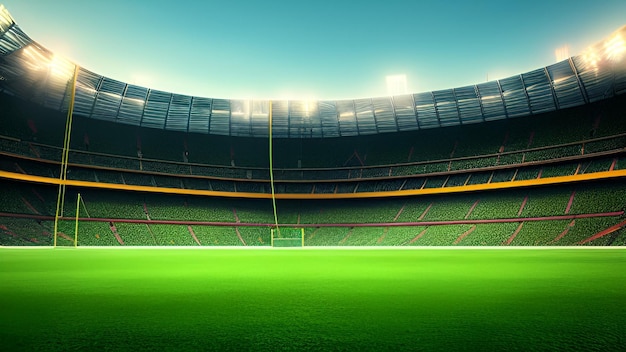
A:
x: 271, y: 166
x: 64, y: 156
x: 76, y: 227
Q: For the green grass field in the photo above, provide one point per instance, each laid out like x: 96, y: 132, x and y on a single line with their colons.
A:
x: 332, y: 300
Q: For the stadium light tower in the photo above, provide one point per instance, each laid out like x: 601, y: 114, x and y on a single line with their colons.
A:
x: 396, y: 85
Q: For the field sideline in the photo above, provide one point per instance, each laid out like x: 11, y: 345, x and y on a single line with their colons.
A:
x: 442, y: 298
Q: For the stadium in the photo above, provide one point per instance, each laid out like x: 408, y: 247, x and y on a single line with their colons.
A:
x: 482, y: 217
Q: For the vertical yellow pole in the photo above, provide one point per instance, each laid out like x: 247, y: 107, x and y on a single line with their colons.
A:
x: 76, y: 228
x: 302, y: 229
x: 64, y: 157
x: 272, y: 170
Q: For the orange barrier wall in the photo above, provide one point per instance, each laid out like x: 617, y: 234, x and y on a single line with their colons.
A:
x: 414, y: 192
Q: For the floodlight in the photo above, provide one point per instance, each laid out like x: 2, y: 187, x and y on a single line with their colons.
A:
x: 396, y: 84
x: 561, y: 53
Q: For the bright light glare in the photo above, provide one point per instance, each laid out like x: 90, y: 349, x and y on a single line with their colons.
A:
x: 309, y: 107
x: 614, y: 48
x: 33, y: 58
x: 396, y: 85
x: 134, y: 101
x: 559, y: 80
x: 61, y: 67
x: 249, y: 108
x: 260, y: 108
x: 240, y: 108
x: 86, y: 89
x: 57, y: 66
x: 591, y: 58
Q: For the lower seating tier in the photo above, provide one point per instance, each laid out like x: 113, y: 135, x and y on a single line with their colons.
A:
x: 584, y: 213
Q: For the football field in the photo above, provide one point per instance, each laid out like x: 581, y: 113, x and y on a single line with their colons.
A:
x: 90, y: 299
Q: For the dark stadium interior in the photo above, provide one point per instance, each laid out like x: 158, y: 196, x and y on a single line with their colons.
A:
x: 581, y: 140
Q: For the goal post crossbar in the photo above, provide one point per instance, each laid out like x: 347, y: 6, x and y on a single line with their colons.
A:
x: 287, y: 237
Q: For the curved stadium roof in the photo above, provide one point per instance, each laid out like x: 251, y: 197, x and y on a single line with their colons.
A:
x: 33, y: 73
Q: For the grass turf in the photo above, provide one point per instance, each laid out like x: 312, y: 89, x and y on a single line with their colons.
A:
x: 435, y: 299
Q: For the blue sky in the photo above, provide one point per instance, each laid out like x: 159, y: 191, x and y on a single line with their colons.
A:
x: 312, y: 49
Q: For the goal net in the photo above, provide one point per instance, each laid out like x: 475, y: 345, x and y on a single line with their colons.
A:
x: 287, y: 237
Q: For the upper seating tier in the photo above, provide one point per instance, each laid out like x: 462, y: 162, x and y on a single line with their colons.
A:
x: 30, y: 71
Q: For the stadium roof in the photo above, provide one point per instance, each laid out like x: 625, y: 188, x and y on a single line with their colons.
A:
x: 31, y: 72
